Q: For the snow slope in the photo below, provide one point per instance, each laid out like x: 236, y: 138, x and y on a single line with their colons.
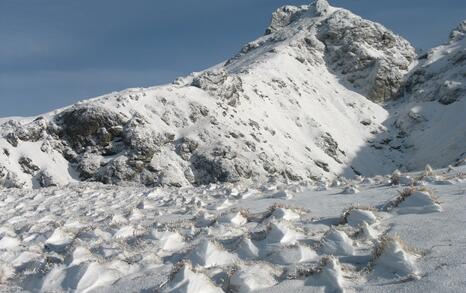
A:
x: 90, y: 237
x: 429, y: 120
x: 301, y: 103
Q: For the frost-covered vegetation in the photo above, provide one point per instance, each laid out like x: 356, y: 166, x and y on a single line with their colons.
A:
x: 90, y: 237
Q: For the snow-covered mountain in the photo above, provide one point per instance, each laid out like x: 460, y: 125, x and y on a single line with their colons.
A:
x: 324, y: 93
x: 431, y: 115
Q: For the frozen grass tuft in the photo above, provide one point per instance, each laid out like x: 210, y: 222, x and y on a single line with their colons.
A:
x: 347, y: 212
x: 393, y: 258
x: 406, y: 193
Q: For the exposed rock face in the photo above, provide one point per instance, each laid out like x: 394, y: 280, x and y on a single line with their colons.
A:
x: 285, y: 15
x: 371, y: 58
x: 221, y: 85
x: 458, y: 33
x: 430, y: 118
x: 89, y: 125
x: 440, y: 76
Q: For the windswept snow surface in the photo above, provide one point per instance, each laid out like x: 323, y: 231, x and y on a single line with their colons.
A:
x: 91, y: 237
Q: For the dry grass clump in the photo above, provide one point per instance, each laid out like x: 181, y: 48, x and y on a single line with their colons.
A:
x: 345, y: 214
x: 407, y: 192
x: 395, y: 177
x: 275, y: 207
x: 245, y: 213
x: 278, y: 205
x: 312, y: 269
x: 386, y: 241
x: 242, y: 211
x: 428, y: 171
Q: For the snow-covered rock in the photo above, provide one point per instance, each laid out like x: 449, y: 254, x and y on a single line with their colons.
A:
x: 273, y: 112
x: 429, y: 118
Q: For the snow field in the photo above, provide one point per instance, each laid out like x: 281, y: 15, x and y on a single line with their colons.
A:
x: 98, y: 238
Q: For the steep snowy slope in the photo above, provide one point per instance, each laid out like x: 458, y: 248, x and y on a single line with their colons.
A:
x: 431, y: 116
x: 285, y: 107
x: 303, y: 102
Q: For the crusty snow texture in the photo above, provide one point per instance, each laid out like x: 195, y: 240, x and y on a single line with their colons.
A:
x: 91, y: 237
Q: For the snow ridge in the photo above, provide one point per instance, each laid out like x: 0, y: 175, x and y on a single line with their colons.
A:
x: 273, y: 112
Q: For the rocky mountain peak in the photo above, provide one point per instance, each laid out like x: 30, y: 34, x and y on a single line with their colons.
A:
x: 288, y: 14
x: 369, y: 57
x: 459, y: 32
x: 320, y: 7
x: 285, y: 15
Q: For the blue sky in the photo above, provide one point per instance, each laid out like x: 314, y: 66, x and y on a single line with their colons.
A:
x: 56, y: 52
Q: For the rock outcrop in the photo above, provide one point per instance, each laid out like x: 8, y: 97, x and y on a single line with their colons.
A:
x: 441, y: 72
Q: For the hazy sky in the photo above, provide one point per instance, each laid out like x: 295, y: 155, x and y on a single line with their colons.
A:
x: 56, y: 52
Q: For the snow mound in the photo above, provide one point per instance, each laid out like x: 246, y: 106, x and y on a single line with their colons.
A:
x: 170, y: 241
x: 412, y: 200
x: 419, y: 202
x: 283, y: 233
x: 357, y: 216
x: 286, y: 214
x: 393, y: 260
x: 9, y: 243
x: 239, y: 219
x: 293, y: 255
x: 7, y: 272
x: 211, y: 254
x: 350, y: 190
x: 330, y: 276
x: 253, y: 277
x: 188, y: 281
x: 59, y: 240
x: 337, y: 242
x: 129, y: 232
x: 81, y: 255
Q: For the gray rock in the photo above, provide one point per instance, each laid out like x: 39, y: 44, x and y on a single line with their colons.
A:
x: 88, y: 125
x: 220, y: 84
x: 28, y: 166
x: 284, y: 16
x: 46, y: 179
x: 440, y: 78
x: 117, y: 171
x: 371, y: 58
x: 459, y: 32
